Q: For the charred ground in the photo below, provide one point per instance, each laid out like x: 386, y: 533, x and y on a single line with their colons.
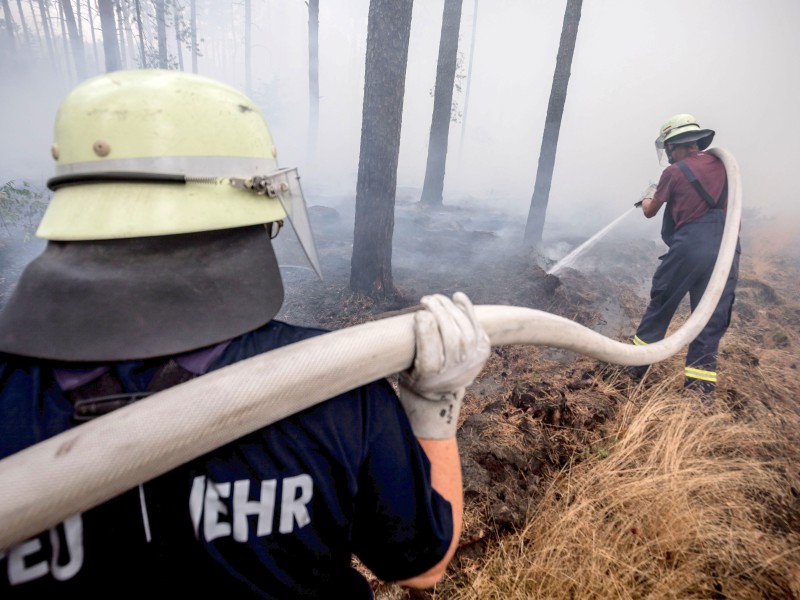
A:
x: 536, y: 411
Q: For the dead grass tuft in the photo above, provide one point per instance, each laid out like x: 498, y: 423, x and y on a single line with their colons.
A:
x: 683, y: 505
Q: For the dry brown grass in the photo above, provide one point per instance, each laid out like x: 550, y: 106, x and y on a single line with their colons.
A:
x: 662, y: 499
x: 678, y: 502
x: 683, y: 505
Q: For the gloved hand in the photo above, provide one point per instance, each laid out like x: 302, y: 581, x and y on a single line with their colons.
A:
x: 451, y: 349
x: 649, y: 192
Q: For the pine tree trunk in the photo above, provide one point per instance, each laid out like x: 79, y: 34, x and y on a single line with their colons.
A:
x: 94, y: 37
x: 248, y: 46
x: 24, y: 24
x: 177, y: 23
x: 33, y: 18
x: 469, y: 80
x: 76, y: 41
x: 388, y: 30
x: 78, y: 17
x: 555, y: 110
x: 48, y: 34
x: 9, y: 27
x: 313, y: 77
x: 123, y: 50
x: 143, y: 63
x: 194, y: 36
x: 442, y: 104
x: 68, y: 67
x: 127, y: 29
x: 109, y: 29
x: 161, y: 22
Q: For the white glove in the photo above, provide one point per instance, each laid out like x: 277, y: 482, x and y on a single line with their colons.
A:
x: 451, y: 349
x: 649, y: 192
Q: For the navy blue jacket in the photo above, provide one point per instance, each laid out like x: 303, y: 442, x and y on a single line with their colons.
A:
x: 278, y: 513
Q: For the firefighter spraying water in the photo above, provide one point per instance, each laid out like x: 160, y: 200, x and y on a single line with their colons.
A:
x: 695, y: 190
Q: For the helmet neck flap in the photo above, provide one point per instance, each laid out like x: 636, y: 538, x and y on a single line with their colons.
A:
x: 139, y: 298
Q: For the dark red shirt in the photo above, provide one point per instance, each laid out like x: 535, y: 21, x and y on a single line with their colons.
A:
x: 680, y: 196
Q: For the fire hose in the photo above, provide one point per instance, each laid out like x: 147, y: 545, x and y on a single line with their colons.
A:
x: 85, y: 466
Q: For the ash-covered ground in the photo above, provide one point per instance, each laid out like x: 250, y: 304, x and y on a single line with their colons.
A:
x: 534, y: 410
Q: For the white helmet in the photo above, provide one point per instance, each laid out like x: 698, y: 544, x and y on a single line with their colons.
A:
x: 682, y: 129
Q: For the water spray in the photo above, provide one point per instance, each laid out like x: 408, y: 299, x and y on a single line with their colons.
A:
x: 570, y: 258
x: 87, y: 465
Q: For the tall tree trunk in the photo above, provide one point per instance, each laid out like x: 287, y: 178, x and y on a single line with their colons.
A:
x: 230, y: 59
x: 142, y: 56
x: 313, y: 77
x: 9, y: 26
x: 76, y: 41
x: 178, y: 41
x: 48, y: 32
x: 123, y: 51
x: 161, y: 22
x: 194, y: 36
x: 36, y: 27
x: 388, y: 31
x: 109, y: 30
x: 94, y: 37
x: 78, y: 18
x: 248, y: 47
x: 469, y: 80
x: 24, y: 24
x: 127, y: 28
x: 442, y: 104
x: 552, y: 126
x: 62, y: 23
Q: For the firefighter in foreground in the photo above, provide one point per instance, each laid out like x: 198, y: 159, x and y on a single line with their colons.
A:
x: 694, y: 189
x: 159, y: 268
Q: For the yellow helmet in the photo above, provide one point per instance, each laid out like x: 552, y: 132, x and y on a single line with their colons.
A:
x: 117, y: 135
x: 683, y: 129
x: 156, y: 239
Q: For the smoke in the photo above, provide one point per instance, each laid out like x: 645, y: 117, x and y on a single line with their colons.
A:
x: 728, y: 62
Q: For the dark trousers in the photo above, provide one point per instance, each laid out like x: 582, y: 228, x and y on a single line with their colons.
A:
x: 686, y: 268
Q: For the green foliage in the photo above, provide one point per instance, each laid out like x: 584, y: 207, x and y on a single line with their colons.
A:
x: 21, y: 207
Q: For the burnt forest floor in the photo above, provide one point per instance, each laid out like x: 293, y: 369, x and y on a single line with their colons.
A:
x: 534, y: 413
x: 538, y: 418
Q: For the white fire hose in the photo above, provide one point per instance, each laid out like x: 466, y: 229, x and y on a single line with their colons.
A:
x: 89, y: 464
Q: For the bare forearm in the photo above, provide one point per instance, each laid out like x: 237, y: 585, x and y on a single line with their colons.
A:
x: 446, y: 479
x: 650, y: 207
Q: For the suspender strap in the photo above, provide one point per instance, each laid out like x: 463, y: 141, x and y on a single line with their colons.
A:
x: 700, y: 190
